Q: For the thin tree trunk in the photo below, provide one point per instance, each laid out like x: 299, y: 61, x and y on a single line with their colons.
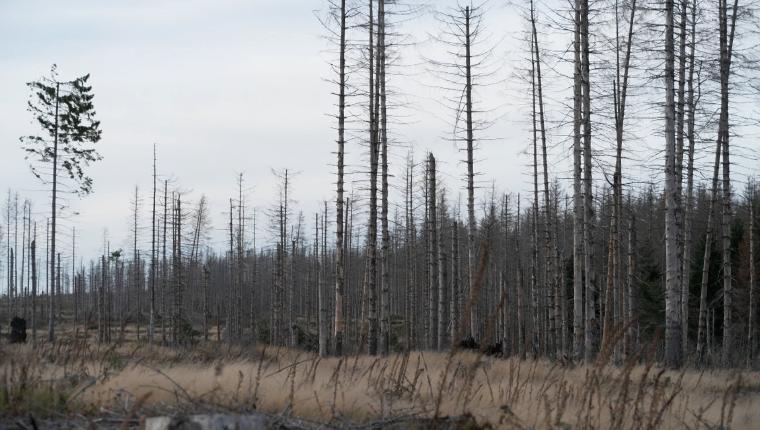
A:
x: 726, y: 42
x: 441, y: 262
x: 751, y: 316
x: 53, y: 211
x: 550, y: 281
x: 592, y: 329
x: 579, y: 332
x: 673, y: 345
x: 471, y: 223
x: 340, y: 264
x: 152, y: 321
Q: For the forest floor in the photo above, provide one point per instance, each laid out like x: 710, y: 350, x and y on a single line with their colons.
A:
x: 77, y: 383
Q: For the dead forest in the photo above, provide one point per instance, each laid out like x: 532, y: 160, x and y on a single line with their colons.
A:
x: 643, y: 250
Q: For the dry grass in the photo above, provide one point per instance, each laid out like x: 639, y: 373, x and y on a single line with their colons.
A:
x: 78, y: 376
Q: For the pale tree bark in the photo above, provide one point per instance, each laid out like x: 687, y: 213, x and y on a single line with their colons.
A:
x: 710, y: 230
x: 620, y: 92
x: 673, y: 346
x: 726, y: 47
x: 550, y: 279
x: 471, y: 223
x: 340, y: 264
x: 522, y: 329
x: 177, y: 335
x: 442, y: 281
x: 152, y: 320
x: 579, y: 332
x: 537, y: 311
x: 411, y: 245
x: 751, y: 313
x: 33, y: 254
x: 321, y: 302
x: 432, y: 246
x: 206, y: 278
x: 632, y: 304
x: 592, y: 329
x: 689, y: 202
x: 372, y: 315
x: 455, y: 297
x: 385, y: 325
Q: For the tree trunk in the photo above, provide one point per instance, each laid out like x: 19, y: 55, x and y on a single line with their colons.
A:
x: 673, y: 345
x: 471, y: 223
x: 340, y: 264
x: 579, y: 333
x: 689, y: 204
x: 592, y: 328
x: 726, y: 43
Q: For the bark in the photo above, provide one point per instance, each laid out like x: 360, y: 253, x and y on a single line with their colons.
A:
x: 152, y: 321
x: 579, y: 333
x: 455, y: 299
x: 321, y: 302
x: 673, y: 346
x: 385, y: 325
x: 340, y: 265
x: 550, y: 279
x: 592, y: 329
x: 53, y: 211
x: 442, y: 281
x: 689, y: 203
x: 372, y: 335
x: 537, y: 311
x: 432, y: 247
x: 751, y: 313
x: 726, y: 43
x: 471, y: 223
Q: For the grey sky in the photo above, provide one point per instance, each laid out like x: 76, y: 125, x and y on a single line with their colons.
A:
x: 222, y: 87
x: 233, y: 86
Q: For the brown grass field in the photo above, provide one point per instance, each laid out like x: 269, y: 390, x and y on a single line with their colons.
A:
x: 81, y: 378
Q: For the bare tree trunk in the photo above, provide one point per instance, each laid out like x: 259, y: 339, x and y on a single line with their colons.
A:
x: 340, y: 264
x: 373, y: 332
x: 152, y: 321
x: 177, y: 334
x: 632, y: 303
x: 751, y: 316
x: 385, y: 325
x: 411, y: 243
x: 620, y: 92
x: 521, y: 305
x: 726, y: 43
x: 471, y: 223
x: 164, y: 264
x: 689, y: 205
x: 441, y: 262
x: 206, y: 277
x: 455, y: 299
x: 537, y: 311
x: 54, y: 209
x: 34, y: 285
x: 673, y: 345
x: 592, y: 329
x: 550, y: 280
x: 321, y: 302
x: 579, y: 332
x: 432, y: 243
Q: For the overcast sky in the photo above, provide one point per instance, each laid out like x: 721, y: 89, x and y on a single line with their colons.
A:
x: 230, y: 86
x: 222, y: 87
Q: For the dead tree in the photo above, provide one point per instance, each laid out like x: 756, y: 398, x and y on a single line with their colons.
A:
x: 340, y: 264
x: 152, y: 320
x: 726, y: 50
x: 673, y: 345
x: 579, y: 332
